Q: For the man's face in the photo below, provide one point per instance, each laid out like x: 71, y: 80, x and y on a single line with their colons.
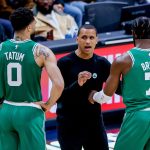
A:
x: 87, y: 41
x: 45, y: 6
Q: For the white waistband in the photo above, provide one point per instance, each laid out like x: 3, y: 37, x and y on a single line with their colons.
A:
x: 146, y: 109
x: 23, y: 104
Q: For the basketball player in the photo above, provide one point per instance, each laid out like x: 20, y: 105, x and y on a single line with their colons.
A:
x: 21, y: 60
x: 134, y: 67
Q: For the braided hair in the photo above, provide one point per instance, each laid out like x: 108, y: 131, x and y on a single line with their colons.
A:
x: 141, y: 28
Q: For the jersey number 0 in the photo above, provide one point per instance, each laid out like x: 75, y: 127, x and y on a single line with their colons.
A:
x: 18, y: 80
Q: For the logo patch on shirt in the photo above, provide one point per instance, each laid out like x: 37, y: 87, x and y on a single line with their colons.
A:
x: 94, y: 75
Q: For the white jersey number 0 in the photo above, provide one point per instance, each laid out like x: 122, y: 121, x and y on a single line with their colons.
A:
x: 18, y: 80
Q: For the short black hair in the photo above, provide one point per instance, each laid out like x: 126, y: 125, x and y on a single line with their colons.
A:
x: 141, y: 28
x: 87, y: 26
x: 21, y: 18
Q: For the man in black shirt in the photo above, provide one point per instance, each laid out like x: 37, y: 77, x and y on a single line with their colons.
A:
x: 80, y: 123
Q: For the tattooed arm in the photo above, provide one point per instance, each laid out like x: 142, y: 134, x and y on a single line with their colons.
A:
x: 44, y: 57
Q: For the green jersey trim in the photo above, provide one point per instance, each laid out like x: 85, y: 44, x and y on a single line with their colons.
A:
x: 14, y: 41
x: 33, y: 50
x: 142, y: 49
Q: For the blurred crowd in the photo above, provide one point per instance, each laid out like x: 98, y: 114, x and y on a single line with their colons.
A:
x: 55, y: 18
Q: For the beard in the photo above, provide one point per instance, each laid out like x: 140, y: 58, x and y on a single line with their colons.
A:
x: 44, y: 10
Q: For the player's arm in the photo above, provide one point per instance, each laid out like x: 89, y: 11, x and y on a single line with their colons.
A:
x: 119, y: 67
x: 48, y: 60
x: 114, y: 77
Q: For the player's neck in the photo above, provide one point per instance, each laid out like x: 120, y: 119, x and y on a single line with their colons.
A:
x: 143, y: 43
x: 21, y: 36
x: 82, y: 55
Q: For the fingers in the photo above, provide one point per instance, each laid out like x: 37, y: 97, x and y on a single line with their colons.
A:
x: 44, y: 108
x: 85, y: 74
x: 90, y: 98
x: 43, y: 105
x: 91, y: 101
x: 83, y: 77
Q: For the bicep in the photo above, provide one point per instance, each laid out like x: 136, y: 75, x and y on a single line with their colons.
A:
x: 113, y: 79
x: 119, y: 67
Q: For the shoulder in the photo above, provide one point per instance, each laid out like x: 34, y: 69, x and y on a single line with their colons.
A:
x: 41, y: 48
x: 69, y: 17
x: 66, y: 59
x: 101, y: 59
x: 65, y: 16
x: 123, y: 59
x: 123, y: 63
x: 43, y: 52
x: 3, y: 44
x: 43, y: 55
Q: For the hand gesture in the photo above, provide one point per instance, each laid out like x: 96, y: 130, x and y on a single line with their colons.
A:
x: 90, y: 98
x: 83, y: 77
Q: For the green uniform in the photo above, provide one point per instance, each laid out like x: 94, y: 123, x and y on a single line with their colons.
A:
x: 135, y: 130
x: 21, y: 121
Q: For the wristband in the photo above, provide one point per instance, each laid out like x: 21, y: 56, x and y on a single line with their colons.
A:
x: 101, y: 97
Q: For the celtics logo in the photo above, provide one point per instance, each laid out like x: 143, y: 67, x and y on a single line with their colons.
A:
x: 94, y: 75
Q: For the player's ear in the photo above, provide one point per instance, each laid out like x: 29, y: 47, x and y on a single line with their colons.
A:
x: 29, y: 28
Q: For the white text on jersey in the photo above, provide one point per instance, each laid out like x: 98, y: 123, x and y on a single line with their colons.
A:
x: 14, y: 56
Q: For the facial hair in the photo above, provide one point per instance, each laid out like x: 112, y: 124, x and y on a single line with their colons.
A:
x: 45, y: 11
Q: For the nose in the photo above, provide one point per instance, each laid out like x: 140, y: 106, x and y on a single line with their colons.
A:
x: 88, y: 40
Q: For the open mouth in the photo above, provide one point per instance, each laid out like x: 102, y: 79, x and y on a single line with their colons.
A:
x: 88, y: 47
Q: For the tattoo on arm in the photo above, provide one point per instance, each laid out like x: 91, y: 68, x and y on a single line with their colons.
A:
x: 42, y: 51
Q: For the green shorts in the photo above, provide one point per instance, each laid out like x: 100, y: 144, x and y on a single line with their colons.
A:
x: 22, y: 127
x: 135, y: 131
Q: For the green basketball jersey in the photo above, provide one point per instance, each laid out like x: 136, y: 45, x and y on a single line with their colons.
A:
x: 136, y: 83
x: 19, y: 74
